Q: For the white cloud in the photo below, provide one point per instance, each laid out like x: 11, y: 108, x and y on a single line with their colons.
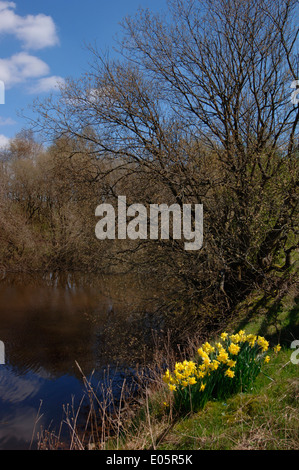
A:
x: 37, y: 32
x: 7, y: 121
x: 34, y: 31
x: 47, y: 84
x: 4, y: 5
x: 4, y: 141
x: 21, y: 67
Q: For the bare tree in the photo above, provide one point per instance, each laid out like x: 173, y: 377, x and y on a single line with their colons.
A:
x: 198, y: 105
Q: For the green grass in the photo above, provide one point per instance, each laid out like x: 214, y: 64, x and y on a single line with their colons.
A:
x: 273, y: 316
x: 265, y: 418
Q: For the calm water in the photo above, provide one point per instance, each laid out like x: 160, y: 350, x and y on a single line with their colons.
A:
x: 48, y: 324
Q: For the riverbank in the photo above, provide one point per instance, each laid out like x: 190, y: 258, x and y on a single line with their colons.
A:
x: 265, y: 416
x: 262, y: 418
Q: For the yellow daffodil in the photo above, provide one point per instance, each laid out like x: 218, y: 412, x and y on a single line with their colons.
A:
x: 231, y: 363
x: 211, y: 358
x: 214, y: 365
x: 192, y: 381
x: 229, y: 373
x: 179, y: 367
x: 242, y: 335
x: 178, y: 375
x: 204, y: 356
x: 262, y: 343
x: 234, y: 349
x: 200, y: 374
x: 166, y: 376
x: 207, y: 348
x: 251, y: 339
x: 235, y: 338
x: 222, y: 356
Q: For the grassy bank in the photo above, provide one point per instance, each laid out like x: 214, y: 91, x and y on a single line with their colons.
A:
x: 264, y: 417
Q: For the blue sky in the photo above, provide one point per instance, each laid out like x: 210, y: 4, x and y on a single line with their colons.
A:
x: 43, y: 41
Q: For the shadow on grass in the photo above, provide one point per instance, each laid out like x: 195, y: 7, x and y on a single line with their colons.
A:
x: 278, y: 324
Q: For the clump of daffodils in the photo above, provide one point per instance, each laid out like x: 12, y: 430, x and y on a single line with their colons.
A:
x: 219, y: 370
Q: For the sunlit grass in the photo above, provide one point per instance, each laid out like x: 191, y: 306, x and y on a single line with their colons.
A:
x: 265, y: 417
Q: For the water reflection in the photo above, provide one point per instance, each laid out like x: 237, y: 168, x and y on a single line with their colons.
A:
x: 49, y: 323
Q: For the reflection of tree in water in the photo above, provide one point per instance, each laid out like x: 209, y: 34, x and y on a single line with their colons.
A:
x: 48, y: 336
x: 53, y: 322
x: 127, y: 336
x: 49, y: 323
